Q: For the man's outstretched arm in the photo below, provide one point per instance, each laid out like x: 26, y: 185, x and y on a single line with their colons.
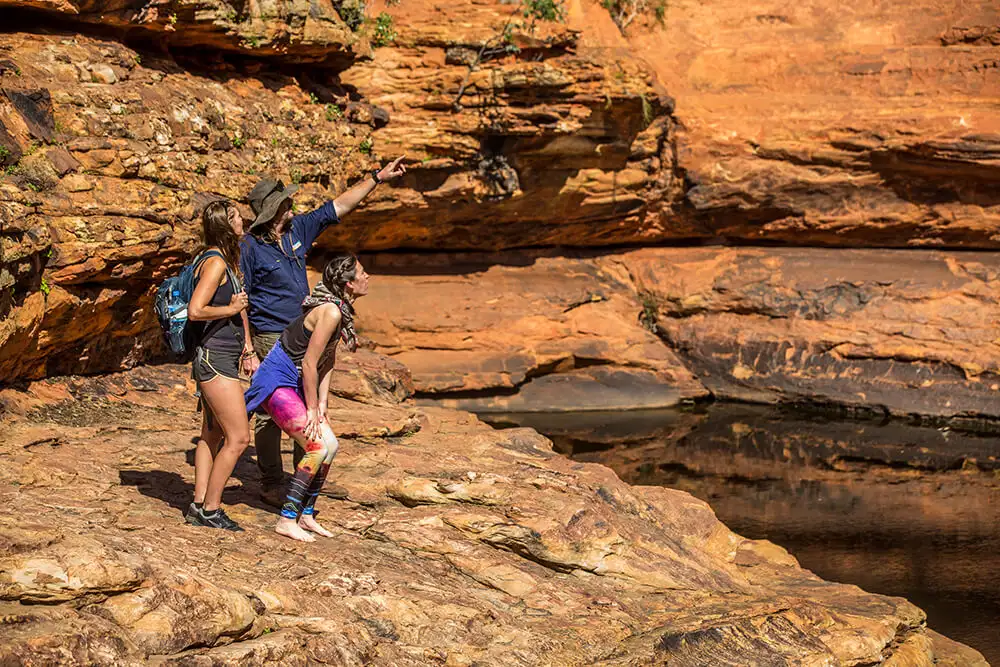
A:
x: 347, y: 202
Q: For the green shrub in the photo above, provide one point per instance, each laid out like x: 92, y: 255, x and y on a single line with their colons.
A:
x: 650, y: 313
x: 544, y: 10
x: 624, y: 12
x: 384, y: 33
x: 647, y: 110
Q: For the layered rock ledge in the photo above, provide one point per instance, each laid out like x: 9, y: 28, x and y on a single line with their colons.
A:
x: 528, y: 333
x: 819, y: 124
x: 734, y: 121
x: 893, y: 331
x: 110, y: 153
x: 459, y: 544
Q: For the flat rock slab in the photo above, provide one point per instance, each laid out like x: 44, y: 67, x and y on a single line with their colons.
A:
x: 879, y: 331
x: 458, y: 544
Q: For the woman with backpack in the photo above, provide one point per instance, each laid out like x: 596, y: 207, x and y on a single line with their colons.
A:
x: 293, y: 383
x: 217, y: 313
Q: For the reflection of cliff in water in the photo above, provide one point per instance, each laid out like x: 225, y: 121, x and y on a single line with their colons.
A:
x: 896, y: 508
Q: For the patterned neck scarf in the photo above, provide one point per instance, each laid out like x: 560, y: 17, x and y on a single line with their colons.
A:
x: 321, y: 295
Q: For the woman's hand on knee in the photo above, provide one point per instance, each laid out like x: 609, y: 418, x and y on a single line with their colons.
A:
x: 313, y: 429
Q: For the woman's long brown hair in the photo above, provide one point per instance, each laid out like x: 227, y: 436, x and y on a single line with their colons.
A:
x: 218, y: 233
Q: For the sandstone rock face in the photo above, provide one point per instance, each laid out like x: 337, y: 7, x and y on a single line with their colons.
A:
x: 905, y: 332
x: 459, y: 544
x: 739, y: 121
x: 902, y: 332
x: 816, y: 123
x: 111, y: 153
x: 564, y: 142
x: 556, y: 334
x: 101, y: 204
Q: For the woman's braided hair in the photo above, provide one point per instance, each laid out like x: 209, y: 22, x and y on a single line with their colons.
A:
x: 339, y: 271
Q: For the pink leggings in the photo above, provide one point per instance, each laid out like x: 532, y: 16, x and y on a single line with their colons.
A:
x: 289, y: 412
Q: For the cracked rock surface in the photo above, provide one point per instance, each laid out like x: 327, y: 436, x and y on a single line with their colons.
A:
x: 459, y: 545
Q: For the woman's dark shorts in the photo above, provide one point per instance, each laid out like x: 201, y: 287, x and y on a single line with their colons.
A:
x: 210, y: 364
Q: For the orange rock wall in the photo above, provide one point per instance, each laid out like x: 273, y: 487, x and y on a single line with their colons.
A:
x: 759, y: 122
x: 891, y: 331
x: 815, y: 122
x: 110, y: 152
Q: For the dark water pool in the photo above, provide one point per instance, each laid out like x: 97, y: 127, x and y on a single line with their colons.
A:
x: 893, y: 507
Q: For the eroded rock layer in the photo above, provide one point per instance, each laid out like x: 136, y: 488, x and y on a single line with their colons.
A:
x: 110, y: 154
x: 109, y: 159
x: 904, y: 332
x: 538, y: 334
x: 899, y: 331
x: 283, y: 30
x: 748, y: 122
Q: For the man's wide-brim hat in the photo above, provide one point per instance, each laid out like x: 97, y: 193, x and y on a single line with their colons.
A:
x: 266, y: 198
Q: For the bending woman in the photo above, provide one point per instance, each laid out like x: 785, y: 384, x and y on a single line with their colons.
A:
x: 218, y: 309
x: 293, y: 383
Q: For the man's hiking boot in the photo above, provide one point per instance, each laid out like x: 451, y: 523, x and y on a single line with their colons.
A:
x: 273, y: 495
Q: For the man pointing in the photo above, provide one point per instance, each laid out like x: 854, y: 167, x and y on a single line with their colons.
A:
x: 273, y: 259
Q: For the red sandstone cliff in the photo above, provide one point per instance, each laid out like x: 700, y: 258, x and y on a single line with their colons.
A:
x: 110, y: 152
x: 860, y: 127
x: 804, y: 125
x: 871, y: 124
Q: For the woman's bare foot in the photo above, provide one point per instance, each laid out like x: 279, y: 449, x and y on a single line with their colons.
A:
x: 289, y: 528
x: 308, y: 522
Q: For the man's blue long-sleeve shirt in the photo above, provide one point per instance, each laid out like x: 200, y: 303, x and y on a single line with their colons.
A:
x: 275, y: 277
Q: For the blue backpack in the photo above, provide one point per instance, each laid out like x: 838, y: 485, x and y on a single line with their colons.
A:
x: 171, y: 306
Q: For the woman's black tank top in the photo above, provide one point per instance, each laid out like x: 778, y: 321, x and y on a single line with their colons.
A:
x: 225, y: 335
x: 295, y: 340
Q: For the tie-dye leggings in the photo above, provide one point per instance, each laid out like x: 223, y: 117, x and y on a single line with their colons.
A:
x: 288, y: 411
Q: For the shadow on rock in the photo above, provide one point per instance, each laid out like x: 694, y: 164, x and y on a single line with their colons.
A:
x: 168, y: 487
x: 175, y: 491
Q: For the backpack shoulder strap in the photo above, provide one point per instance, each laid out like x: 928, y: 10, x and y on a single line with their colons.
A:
x: 237, y: 288
x: 233, y: 279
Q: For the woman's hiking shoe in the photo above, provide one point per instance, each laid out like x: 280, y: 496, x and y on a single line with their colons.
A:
x: 192, y: 515
x: 216, y: 519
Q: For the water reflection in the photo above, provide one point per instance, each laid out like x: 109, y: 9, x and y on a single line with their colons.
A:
x: 895, y: 508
